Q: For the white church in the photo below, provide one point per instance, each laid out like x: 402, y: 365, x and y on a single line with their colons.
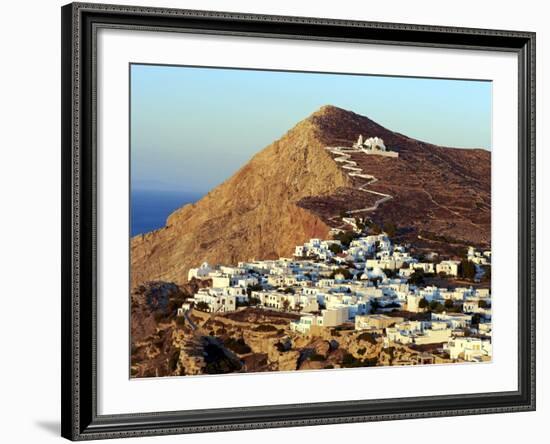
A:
x: 373, y: 145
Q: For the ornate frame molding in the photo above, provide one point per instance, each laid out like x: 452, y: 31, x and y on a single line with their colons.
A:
x: 80, y: 22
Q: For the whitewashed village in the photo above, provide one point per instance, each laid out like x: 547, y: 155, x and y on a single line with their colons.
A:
x: 369, y: 286
x: 355, y: 300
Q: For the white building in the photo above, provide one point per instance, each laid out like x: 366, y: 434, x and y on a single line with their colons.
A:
x: 185, y: 307
x: 413, y: 301
x: 478, y: 257
x: 199, y: 273
x: 469, y: 349
x: 277, y: 300
x: 245, y: 281
x: 458, y: 294
x: 334, y: 316
x: 450, y: 268
x: 276, y: 280
x: 317, y: 247
x: 220, y: 280
x: 453, y: 320
x: 328, y: 318
x: 373, y: 145
x: 403, y: 332
x: 304, y: 324
x: 426, y: 267
x: 419, y: 333
x: 375, y: 321
x: 406, y: 272
x: 217, y: 302
x: 232, y: 271
x: 485, y: 329
x: 362, y: 247
x: 470, y: 306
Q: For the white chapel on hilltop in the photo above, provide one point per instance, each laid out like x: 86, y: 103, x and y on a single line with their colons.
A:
x: 373, y: 145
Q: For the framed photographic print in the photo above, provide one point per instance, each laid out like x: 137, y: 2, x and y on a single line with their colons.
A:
x: 279, y: 221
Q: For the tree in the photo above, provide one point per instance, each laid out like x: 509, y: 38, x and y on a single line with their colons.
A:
x: 486, y: 273
x: 467, y: 269
x: 252, y: 288
x: 423, y: 303
x: 286, y: 305
x: 345, y: 237
x: 417, y: 277
x: 436, y: 306
x: 449, y: 303
x: 484, y: 304
x: 202, y: 306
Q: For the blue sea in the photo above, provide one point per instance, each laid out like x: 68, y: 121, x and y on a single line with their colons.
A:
x: 149, y: 209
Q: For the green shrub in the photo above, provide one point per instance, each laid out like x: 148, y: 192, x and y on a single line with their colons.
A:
x: 417, y: 278
x: 202, y: 306
x: 449, y: 303
x: 423, y: 303
x: 436, y: 306
x: 484, y: 304
x: 467, y: 269
x: 476, y: 319
x: 345, y: 237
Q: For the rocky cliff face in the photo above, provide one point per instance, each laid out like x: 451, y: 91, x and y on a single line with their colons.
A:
x: 294, y: 190
x: 253, y: 215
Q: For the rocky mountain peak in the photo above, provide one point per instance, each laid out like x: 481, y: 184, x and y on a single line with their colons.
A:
x: 295, y: 189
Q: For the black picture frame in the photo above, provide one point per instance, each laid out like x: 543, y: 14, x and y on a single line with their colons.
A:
x: 80, y: 420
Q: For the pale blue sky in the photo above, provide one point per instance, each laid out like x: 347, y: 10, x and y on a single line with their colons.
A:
x: 192, y: 128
